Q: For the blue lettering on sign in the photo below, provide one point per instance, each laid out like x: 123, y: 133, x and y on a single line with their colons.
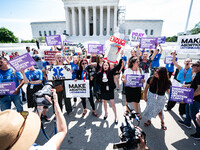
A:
x: 57, y: 72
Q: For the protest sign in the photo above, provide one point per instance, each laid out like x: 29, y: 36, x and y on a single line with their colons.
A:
x: 189, y: 44
x: 59, y: 72
x: 176, y: 83
x: 113, y: 53
x: 79, y: 88
x: 74, y: 47
x: 95, y: 48
x: 134, y: 80
x: 181, y: 94
x: 52, y: 40
x: 168, y: 60
x: 23, y: 61
x: 148, y: 42
x: 161, y: 40
x: 117, y: 40
x: 50, y: 55
x: 7, y: 88
x: 135, y: 37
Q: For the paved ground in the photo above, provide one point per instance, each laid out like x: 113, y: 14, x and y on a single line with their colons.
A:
x: 91, y: 133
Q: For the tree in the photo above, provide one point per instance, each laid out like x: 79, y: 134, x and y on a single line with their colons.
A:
x: 171, y: 39
x: 28, y: 41
x: 195, y: 31
x: 41, y: 39
x: 7, y: 36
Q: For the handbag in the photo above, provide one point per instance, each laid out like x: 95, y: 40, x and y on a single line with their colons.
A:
x: 59, y: 88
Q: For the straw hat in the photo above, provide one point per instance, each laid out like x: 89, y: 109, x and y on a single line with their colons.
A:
x: 10, y: 124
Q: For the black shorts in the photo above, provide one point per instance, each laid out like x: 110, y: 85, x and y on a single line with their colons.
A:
x: 107, y: 95
x: 133, y: 94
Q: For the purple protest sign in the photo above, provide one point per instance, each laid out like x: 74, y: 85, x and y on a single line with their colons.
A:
x: 168, y: 60
x: 53, y: 40
x: 148, y: 42
x: 134, y: 80
x: 23, y: 61
x: 161, y: 39
x: 7, y: 88
x: 95, y: 48
x: 181, y: 94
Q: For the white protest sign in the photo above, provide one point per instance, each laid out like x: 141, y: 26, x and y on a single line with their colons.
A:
x: 135, y: 37
x: 74, y: 47
x: 59, y: 72
x: 79, y: 88
x: 189, y: 44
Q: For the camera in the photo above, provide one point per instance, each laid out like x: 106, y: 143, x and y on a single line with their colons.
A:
x: 129, y: 133
x: 39, y: 96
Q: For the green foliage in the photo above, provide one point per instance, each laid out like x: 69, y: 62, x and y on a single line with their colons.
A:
x: 171, y: 39
x: 7, y: 36
x: 28, y: 41
x: 41, y: 39
x: 195, y: 31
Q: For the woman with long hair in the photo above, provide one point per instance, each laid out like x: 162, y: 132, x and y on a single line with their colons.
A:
x: 133, y: 94
x: 83, y: 74
x: 157, y: 85
x: 61, y: 88
x: 107, y: 86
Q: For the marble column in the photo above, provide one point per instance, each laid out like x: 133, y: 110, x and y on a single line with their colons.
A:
x: 115, y: 19
x: 94, y: 21
x: 67, y: 20
x: 108, y: 21
x: 80, y: 21
x: 101, y: 20
x: 73, y: 22
x: 87, y: 21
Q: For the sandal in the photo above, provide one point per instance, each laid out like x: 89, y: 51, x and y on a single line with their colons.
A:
x: 163, y: 126
x: 148, y: 123
x: 126, y: 113
x: 84, y: 113
x: 139, y: 116
x: 95, y: 114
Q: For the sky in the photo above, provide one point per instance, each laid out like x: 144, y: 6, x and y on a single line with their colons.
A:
x: 16, y: 15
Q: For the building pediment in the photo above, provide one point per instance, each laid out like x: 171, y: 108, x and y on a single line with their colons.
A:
x: 89, y: 2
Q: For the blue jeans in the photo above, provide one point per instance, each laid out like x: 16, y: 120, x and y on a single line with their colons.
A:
x: 191, y: 111
x: 5, y: 102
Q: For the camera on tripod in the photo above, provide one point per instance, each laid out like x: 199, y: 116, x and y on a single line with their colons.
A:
x: 39, y: 96
x: 129, y: 133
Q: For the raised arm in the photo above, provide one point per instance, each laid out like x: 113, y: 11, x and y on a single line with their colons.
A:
x: 66, y: 59
x: 175, y: 62
x: 138, y: 52
x: 161, y: 50
x: 154, y: 53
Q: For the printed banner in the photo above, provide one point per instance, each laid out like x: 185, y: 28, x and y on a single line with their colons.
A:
x: 59, y: 72
x: 23, y: 61
x: 95, y: 48
x: 7, y: 88
x: 135, y: 37
x: 134, y: 80
x: 168, y: 60
x: 79, y: 88
x: 74, y: 47
x: 114, y: 52
x: 181, y: 94
x: 148, y: 42
x: 53, y: 40
x: 189, y: 44
x: 161, y: 40
x: 50, y: 55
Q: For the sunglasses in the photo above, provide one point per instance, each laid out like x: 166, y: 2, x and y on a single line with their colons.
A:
x: 84, y: 63
x: 24, y: 115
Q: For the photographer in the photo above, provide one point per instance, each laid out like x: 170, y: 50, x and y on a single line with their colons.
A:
x: 20, y: 130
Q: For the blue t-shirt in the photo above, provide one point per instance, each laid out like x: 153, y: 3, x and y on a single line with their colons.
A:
x: 155, y: 62
x: 83, y: 76
x: 185, y: 75
x: 45, y: 63
x: 9, y: 76
x: 125, y: 59
x: 74, y: 68
x: 34, y: 75
x: 170, y: 68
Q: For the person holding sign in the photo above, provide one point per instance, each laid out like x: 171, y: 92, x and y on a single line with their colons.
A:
x: 193, y: 109
x: 184, y: 77
x: 156, y: 87
x: 83, y: 74
x: 107, y: 85
x: 7, y: 74
x: 133, y: 94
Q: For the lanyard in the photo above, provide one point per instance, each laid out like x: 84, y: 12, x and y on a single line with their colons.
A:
x: 84, y: 75
x: 144, y: 65
x: 185, y: 72
x: 32, y: 77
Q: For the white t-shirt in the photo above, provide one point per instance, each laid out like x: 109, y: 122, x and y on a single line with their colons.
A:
x: 130, y: 71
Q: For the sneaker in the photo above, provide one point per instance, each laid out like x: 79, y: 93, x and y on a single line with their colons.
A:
x: 45, y: 118
x: 195, y: 136
x: 183, y: 124
x: 184, y: 115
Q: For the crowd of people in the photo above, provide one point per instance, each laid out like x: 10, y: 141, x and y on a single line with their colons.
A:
x: 104, y: 80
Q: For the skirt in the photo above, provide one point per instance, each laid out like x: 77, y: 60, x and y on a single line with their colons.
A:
x: 133, y: 94
x: 30, y: 92
x: 107, y: 95
x: 154, y: 106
